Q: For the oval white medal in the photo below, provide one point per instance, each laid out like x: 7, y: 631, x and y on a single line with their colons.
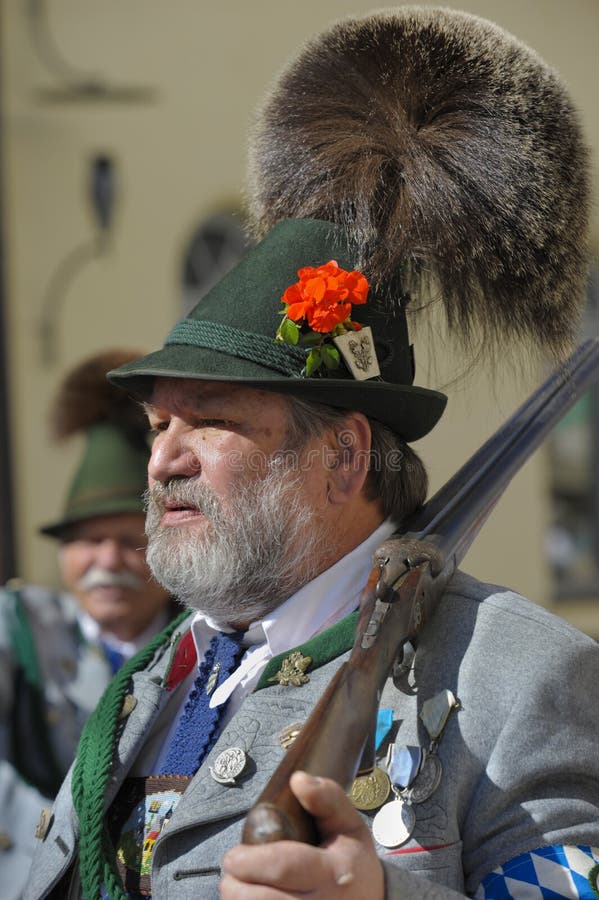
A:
x: 394, y: 823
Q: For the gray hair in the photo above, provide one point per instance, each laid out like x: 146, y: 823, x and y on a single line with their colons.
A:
x: 396, y: 474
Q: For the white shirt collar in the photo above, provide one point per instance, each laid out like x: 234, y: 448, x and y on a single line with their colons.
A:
x: 93, y: 634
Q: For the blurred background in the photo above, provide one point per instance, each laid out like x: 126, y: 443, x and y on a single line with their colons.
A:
x: 123, y: 148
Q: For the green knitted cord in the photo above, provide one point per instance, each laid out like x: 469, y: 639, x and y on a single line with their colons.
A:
x: 97, y: 864
x: 283, y: 358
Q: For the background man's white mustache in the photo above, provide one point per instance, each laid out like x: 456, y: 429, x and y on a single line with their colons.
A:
x: 98, y: 577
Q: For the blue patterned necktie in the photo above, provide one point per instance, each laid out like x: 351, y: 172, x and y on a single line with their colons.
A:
x: 198, y: 727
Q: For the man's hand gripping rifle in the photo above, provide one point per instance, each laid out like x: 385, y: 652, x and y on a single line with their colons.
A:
x: 407, y: 581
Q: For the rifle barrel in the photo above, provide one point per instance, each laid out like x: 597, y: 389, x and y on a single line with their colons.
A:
x: 456, y: 512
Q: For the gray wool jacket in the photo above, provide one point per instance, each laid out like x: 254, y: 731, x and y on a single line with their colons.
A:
x: 520, y: 761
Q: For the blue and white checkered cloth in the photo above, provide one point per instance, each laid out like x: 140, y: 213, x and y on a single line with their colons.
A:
x: 550, y: 873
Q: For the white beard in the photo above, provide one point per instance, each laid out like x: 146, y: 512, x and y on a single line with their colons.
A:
x: 254, y: 554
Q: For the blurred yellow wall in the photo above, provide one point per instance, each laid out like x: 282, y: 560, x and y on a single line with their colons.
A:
x: 180, y: 157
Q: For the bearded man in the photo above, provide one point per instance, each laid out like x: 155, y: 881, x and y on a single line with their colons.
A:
x: 406, y: 144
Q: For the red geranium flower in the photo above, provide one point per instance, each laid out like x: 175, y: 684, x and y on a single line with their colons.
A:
x: 324, y: 295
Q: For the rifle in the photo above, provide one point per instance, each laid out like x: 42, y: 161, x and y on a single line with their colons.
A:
x: 406, y: 583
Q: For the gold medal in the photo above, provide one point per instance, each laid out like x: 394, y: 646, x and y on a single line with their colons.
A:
x: 370, y: 791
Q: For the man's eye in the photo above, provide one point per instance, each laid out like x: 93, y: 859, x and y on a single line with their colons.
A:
x: 156, y: 427
x: 215, y: 423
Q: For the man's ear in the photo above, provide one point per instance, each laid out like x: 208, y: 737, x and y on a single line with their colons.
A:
x: 349, y: 458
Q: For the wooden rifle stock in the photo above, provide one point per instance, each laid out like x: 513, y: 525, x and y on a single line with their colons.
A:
x: 405, y: 585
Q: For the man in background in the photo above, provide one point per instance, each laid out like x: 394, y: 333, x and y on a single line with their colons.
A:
x: 60, y: 649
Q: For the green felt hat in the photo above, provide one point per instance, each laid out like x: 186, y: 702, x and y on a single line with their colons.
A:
x: 110, y: 479
x: 230, y: 336
x: 111, y: 475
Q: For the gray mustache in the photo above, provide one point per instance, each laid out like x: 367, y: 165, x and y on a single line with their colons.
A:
x: 97, y: 577
x: 187, y: 492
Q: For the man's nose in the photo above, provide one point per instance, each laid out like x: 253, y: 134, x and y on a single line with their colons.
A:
x: 109, y: 554
x: 172, y: 456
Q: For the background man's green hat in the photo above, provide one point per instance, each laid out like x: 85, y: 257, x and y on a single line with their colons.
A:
x: 111, y: 475
x: 230, y: 336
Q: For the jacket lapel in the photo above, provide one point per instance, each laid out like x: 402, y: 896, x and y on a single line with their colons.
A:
x: 255, y: 729
x: 149, y: 698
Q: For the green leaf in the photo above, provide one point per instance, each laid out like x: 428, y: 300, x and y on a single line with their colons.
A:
x: 313, y: 361
x: 289, y: 331
x: 311, y: 339
x: 330, y: 356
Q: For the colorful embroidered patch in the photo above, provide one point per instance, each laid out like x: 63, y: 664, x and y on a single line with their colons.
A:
x: 549, y: 873
x: 141, y: 810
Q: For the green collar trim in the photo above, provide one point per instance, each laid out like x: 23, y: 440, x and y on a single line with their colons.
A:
x: 258, y: 348
x: 321, y: 649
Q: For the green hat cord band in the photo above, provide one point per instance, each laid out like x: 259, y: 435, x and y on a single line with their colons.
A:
x: 230, y: 335
x: 256, y: 347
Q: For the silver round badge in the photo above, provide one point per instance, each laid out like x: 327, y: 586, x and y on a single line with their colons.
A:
x: 228, y: 765
x: 394, y: 823
x: 428, y: 780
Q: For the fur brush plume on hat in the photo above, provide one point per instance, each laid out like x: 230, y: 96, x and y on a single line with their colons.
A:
x: 86, y: 398
x: 453, y: 157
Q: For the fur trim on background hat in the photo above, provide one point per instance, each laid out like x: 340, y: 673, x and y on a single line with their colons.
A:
x: 453, y: 156
x: 85, y: 397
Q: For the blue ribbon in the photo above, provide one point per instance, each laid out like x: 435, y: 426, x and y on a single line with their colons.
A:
x: 404, y: 765
x: 384, y: 723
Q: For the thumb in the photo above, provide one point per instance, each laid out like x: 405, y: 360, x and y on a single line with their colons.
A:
x: 327, y: 802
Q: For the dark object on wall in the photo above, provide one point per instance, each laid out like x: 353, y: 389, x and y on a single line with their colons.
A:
x: 101, y: 192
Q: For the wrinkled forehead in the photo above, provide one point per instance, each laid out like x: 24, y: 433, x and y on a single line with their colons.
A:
x: 189, y: 394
